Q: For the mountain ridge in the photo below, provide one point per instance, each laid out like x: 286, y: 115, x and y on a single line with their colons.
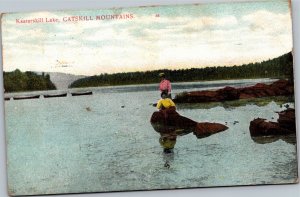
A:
x: 62, y: 80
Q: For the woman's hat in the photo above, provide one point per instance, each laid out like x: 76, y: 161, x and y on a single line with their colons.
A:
x: 161, y: 75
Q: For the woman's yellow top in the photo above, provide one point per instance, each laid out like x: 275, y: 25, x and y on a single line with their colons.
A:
x: 166, y: 103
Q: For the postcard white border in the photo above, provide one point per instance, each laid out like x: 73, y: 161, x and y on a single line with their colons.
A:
x: 247, y: 191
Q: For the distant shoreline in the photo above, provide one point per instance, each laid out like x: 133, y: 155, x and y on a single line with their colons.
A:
x: 175, y: 82
x: 153, y: 86
x: 280, y: 67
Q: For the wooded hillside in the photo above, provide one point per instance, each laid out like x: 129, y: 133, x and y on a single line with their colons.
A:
x: 280, y: 67
x: 17, y: 81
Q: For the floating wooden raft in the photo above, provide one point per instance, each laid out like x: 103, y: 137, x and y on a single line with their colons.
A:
x: 26, y: 97
x: 82, y: 93
x: 55, y: 95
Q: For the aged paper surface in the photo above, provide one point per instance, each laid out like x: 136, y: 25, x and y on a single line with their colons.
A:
x: 80, y: 87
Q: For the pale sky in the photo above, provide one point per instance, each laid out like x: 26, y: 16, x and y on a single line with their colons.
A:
x: 184, y: 36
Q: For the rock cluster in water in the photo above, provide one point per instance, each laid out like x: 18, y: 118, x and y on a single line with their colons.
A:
x: 278, y: 88
x: 285, y: 125
x: 175, y: 124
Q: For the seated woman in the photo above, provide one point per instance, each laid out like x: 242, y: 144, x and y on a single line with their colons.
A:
x: 165, y: 102
x: 167, y: 107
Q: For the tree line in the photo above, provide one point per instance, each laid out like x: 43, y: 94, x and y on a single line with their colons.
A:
x: 17, y: 81
x: 280, y: 67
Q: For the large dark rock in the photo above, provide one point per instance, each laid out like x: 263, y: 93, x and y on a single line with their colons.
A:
x: 278, y: 88
x: 196, y: 97
x: 205, y: 129
x: 175, y: 124
x: 287, y: 119
x: 228, y: 94
x: 285, y: 125
x: 259, y: 90
x: 261, y: 127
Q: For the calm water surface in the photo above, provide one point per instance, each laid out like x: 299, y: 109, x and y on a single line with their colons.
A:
x: 105, y: 142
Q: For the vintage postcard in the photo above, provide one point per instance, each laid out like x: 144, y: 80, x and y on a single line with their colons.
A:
x: 148, y: 98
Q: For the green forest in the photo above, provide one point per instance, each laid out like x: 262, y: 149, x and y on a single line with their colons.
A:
x: 17, y: 81
x: 280, y: 67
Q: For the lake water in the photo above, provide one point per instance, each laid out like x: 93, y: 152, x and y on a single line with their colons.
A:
x: 105, y: 142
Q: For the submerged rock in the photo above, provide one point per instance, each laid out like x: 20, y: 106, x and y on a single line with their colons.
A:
x: 285, y: 125
x: 278, y: 88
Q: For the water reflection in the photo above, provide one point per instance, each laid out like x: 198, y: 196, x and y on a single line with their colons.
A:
x: 168, y: 159
x: 290, y: 139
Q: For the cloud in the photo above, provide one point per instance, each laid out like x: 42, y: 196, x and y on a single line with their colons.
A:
x: 107, y: 34
x: 268, y: 22
x: 146, y: 42
x: 209, y: 22
x: 16, y: 34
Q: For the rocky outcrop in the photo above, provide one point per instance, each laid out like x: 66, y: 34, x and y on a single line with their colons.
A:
x: 205, y: 129
x: 261, y: 127
x: 173, y: 124
x: 278, y: 88
x: 287, y: 119
x: 285, y: 125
